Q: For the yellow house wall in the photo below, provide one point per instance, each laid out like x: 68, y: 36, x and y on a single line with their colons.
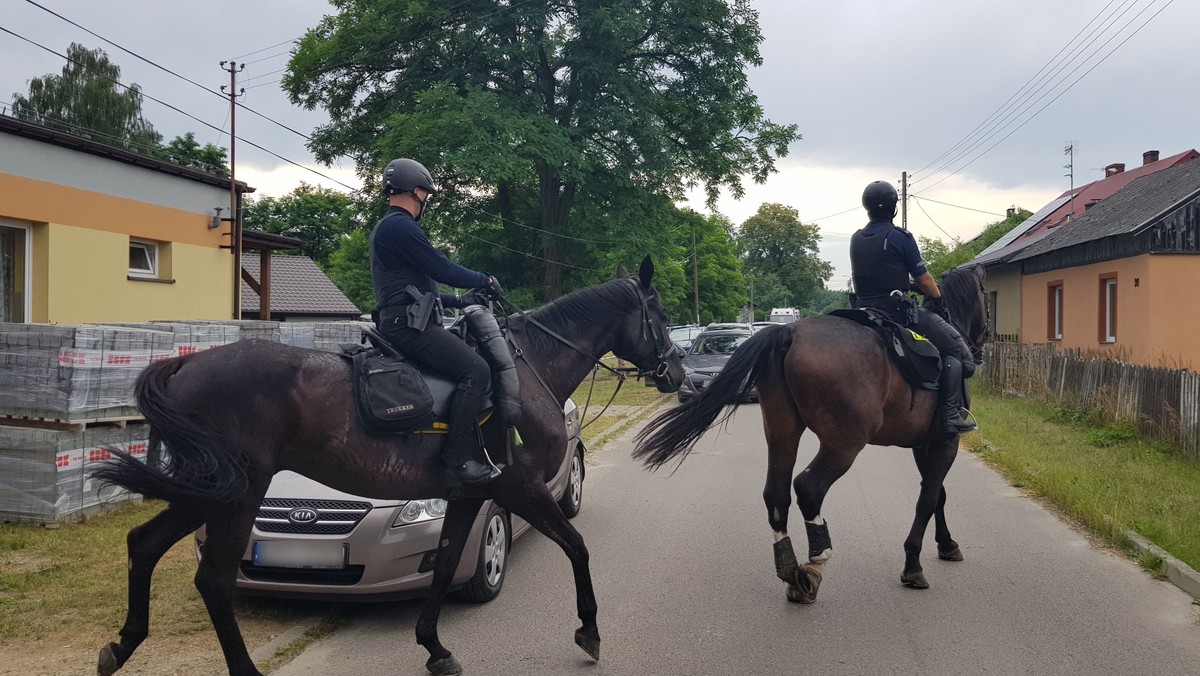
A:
x: 1137, y: 291
x: 80, y: 254
x: 1174, y: 306
x: 1005, y: 280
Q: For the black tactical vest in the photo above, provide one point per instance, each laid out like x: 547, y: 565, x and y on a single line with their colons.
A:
x: 391, y: 284
x: 874, y: 276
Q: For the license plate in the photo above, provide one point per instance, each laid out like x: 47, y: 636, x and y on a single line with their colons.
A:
x: 289, y: 554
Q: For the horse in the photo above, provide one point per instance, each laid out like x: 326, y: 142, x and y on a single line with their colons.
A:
x: 835, y: 377
x: 233, y: 416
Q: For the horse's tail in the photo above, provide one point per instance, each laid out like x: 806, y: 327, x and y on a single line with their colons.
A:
x: 196, y: 468
x: 675, y: 432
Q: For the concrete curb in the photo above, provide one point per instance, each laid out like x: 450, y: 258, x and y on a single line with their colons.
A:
x: 1178, y: 573
x: 267, y: 652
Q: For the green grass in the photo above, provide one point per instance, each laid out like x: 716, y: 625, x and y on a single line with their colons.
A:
x: 1104, y: 476
x: 632, y: 393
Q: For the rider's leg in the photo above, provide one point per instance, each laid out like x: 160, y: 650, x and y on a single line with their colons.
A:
x: 956, y: 356
x: 951, y: 385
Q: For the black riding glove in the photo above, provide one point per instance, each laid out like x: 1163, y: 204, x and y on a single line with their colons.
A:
x: 935, y: 306
x: 472, y: 298
x: 493, y: 289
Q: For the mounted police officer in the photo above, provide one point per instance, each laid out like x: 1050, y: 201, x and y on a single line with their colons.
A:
x: 405, y: 271
x: 882, y: 259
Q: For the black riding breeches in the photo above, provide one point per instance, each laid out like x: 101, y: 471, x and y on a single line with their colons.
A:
x: 943, y: 335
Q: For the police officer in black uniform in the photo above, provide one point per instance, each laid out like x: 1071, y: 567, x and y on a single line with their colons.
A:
x: 882, y: 259
x: 405, y: 270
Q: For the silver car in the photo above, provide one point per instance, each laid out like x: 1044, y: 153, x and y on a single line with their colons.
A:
x: 311, y: 541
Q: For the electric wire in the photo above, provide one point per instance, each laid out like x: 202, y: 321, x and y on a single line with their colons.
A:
x: 935, y: 224
x: 956, y: 206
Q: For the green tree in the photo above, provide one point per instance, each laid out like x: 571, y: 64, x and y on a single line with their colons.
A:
x: 941, y: 256
x: 774, y: 241
x: 349, y: 269
x: 539, y: 111
x: 85, y: 100
x: 319, y: 217
x: 186, y: 151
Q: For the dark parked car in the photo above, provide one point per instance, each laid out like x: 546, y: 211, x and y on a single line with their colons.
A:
x: 710, y: 351
x: 311, y: 541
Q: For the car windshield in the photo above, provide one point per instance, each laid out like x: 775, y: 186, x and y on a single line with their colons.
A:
x: 683, y: 333
x: 725, y: 344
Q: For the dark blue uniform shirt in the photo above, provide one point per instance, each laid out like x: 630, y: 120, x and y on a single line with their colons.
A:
x: 401, y: 255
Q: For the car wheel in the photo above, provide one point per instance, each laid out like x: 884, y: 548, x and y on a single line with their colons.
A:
x: 572, y: 500
x: 493, y: 559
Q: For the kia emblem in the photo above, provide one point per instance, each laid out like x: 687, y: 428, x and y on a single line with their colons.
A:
x: 302, y: 515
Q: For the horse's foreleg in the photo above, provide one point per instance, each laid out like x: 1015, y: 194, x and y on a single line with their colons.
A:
x: 535, y: 504
x: 947, y: 548
x: 146, y: 543
x: 228, y: 531
x: 934, y: 463
x: 456, y: 526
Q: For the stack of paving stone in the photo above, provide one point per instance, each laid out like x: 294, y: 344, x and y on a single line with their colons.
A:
x: 74, y: 373
x: 298, y: 334
x: 248, y: 329
x: 330, y: 336
x: 45, y: 474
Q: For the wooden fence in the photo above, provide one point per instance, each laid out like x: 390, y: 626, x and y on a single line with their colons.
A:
x: 1161, y: 402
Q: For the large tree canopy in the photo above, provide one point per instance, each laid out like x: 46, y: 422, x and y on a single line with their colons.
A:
x: 85, y: 100
x: 320, y: 217
x: 774, y: 242
x: 533, y: 112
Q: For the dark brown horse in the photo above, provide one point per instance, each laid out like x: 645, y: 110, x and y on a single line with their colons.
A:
x: 231, y: 417
x: 835, y: 377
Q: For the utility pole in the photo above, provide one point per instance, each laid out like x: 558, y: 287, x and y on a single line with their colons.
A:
x: 904, y: 200
x: 695, y: 278
x: 235, y: 221
x: 1069, y: 151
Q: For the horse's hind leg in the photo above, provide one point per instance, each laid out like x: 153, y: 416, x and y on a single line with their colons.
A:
x: 146, y: 543
x: 456, y: 526
x: 228, y: 532
x: 535, y: 504
x: 833, y: 459
x: 783, y: 429
x: 934, y: 463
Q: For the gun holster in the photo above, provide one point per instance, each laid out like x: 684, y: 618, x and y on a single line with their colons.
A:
x: 423, y: 307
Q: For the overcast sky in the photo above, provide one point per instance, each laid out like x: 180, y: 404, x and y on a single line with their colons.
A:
x: 876, y: 87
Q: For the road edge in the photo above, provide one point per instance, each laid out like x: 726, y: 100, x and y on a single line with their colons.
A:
x: 1178, y: 573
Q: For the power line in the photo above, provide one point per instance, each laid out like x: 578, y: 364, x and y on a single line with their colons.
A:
x: 265, y: 58
x: 181, y: 111
x: 933, y: 221
x: 814, y: 220
x: 1069, y: 87
x: 956, y: 206
x: 259, y: 51
x: 529, y: 255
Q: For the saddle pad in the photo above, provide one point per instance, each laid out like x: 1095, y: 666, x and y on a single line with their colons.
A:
x: 916, y: 357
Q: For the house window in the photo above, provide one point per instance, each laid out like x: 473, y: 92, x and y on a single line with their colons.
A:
x: 143, y: 259
x: 1054, y: 307
x: 14, y: 272
x: 1108, y: 308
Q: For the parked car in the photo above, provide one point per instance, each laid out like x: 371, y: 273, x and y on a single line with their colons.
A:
x: 683, y: 335
x: 311, y: 541
x: 710, y: 351
x: 761, y: 325
x: 728, y: 325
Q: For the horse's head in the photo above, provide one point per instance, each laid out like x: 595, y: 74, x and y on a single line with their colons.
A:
x: 966, y: 301
x: 642, y: 338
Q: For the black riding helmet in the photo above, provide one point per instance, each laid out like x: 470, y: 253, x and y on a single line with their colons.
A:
x: 403, y: 174
x: 879, y: 199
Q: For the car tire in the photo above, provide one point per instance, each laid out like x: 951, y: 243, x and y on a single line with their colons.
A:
x: 572, y: 499
x: 492, y: 565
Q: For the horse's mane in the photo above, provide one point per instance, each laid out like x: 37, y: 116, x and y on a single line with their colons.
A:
x: 610, y: 299
x: 961, y: 288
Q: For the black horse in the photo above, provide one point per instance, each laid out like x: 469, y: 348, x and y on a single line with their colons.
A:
x: 231, y: 417
x: 835, y: 377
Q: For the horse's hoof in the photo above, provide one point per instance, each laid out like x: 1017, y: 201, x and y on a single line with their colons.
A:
x: 445, y: 666
x: 804, y: 586
x: 952, y: 555
x: 915, y: 580
x: 796, y: 596
x: 590, y: 644
x: 108, y: 663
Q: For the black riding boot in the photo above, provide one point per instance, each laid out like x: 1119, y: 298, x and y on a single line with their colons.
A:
x: 463, y: 454
x: 951, y: 385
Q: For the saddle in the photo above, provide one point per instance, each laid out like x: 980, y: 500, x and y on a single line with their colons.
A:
x: 395, y: 395
x: 916, y: 357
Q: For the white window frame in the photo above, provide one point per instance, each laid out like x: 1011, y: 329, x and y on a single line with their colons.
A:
x: 28, y: 281
x: 152, y: 250
x: 1110, y: 310
x: 1058, y: 312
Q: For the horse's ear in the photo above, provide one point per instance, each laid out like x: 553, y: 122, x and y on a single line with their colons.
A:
x: 621, y: 271
x: 646, y: 273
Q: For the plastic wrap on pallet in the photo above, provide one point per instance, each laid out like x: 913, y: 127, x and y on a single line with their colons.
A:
x: 248, y: 329
x: 45, y: 474
x: 298, y: 334
x: 72, y: 373
x: 330, y: 336
x: 191, y: 337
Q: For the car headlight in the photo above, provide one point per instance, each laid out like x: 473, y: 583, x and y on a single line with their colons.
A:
x: 415, y: 511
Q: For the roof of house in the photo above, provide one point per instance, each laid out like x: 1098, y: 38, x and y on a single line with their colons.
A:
x: 37, y: 132
x: 1140, y: 204
x: 298, y: 287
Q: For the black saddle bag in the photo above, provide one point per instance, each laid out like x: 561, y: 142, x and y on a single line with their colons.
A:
x: 391, y: 393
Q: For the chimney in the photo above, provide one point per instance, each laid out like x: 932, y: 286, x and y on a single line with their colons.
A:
x: 1149, y: 156
x: 1114, y: 169
x: 1010, y: 211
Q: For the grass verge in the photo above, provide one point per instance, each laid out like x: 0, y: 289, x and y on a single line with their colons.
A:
x: 629, y: 406
x: 1104, y: 476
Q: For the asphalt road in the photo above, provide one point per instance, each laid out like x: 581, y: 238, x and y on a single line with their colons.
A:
x: 684, y: 576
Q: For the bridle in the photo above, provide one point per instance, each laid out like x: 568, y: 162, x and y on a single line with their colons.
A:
x: 621, y: 372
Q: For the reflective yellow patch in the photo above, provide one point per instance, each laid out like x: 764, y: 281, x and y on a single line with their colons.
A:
x: 917, y: 336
